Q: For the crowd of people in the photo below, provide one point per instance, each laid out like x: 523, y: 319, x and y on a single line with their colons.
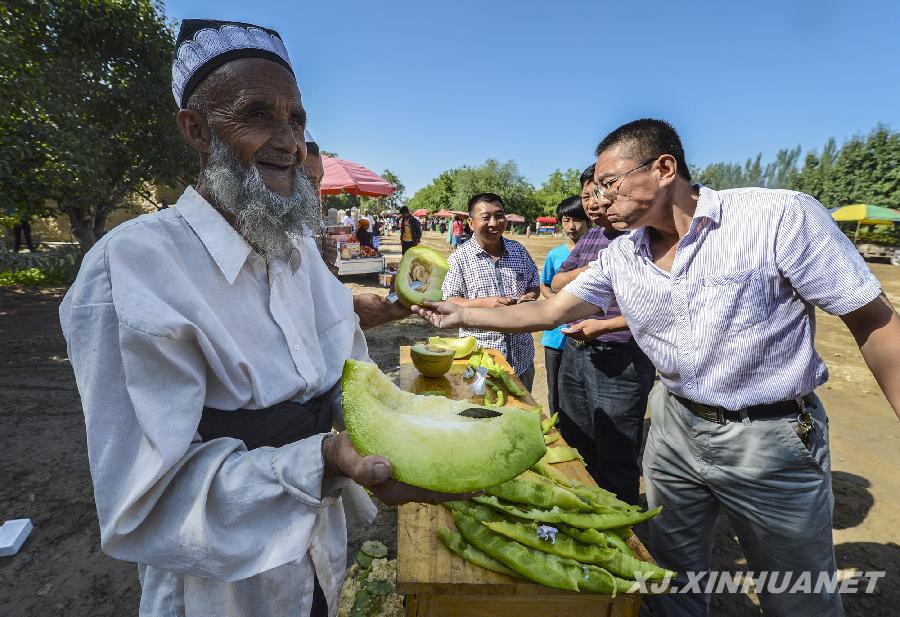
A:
x: 714, y: 292
x: 208, y: 340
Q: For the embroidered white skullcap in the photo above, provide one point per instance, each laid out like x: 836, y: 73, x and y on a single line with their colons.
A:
x: 203, y: 45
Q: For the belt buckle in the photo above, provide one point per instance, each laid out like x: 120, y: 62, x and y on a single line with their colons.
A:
x: 710, y: 413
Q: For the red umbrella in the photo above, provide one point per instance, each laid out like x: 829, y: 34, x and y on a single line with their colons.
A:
x: 348, y: 177
x: 515, y: 218
x: 421, y: 212
x: 443, y: 214
x: 547, y: 219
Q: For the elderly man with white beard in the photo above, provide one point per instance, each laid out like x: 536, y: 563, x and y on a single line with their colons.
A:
x: 208, y: 341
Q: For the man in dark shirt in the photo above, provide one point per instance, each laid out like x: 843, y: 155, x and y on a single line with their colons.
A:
x: 604, y: 377
x: 410, y: 230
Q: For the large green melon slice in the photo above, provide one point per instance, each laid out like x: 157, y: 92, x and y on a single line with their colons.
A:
x: 424, y: 264
x: 428, y: 443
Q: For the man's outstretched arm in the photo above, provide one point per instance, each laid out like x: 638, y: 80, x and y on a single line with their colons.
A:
x: 876, y: 328
x: 564, y: 277
x: 528, y: 317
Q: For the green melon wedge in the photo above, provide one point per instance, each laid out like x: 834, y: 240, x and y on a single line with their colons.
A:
x: 423, y: 264
x: 428, y: 443
x: 461, y: 347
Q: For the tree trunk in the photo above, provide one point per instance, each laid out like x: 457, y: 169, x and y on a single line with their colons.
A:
x: 82, y: 224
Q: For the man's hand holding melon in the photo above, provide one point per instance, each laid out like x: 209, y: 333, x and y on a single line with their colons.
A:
x: 374, y: 473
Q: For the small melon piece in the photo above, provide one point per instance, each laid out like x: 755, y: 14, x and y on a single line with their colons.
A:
x: 424, y: 264
x: 428, y: 443
x: 431, y: 360
x: 461, y: 346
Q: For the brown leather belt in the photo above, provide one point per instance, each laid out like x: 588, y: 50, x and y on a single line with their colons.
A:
x: 720, y: 415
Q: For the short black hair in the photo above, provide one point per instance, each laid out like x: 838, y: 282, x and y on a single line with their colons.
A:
x: 491, y: 198
x: 404, y: 210
x: 586, y: 176
x: 648, y: 139
x: 571, y: 207
x: 312, y: 148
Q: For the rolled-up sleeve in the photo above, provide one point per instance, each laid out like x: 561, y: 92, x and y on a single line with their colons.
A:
x: 820, y: 262
x: 163, y: 498
x: 594, y: 285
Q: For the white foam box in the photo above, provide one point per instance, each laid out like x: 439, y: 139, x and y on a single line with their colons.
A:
x: 13, y: 535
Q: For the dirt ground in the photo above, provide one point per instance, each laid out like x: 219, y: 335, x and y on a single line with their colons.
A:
x: 44, y: 473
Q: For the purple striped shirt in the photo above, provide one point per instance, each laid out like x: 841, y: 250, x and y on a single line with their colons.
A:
x: 586, y: 250
x: 733, y: 323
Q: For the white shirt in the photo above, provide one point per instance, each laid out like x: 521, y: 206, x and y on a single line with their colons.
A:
x: 733, y: 323
x: 172, y: 312
x: 347, y: 221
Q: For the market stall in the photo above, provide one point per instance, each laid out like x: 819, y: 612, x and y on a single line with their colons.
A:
x: 546, y: 225
x: 438, y: 583
x: 340, y: 247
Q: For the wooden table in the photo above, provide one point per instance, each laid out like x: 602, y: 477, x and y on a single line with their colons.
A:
x: 437, y: 583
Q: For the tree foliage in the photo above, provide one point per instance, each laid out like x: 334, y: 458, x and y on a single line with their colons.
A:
x: 866, y: 169
x: 452, y: 189
x: 87, y: 118
x: 560, y: 185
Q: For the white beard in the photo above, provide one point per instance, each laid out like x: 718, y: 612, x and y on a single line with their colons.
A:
x: 268, y: 221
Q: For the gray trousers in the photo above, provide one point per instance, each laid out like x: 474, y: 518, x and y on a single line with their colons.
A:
x: 775, y: 490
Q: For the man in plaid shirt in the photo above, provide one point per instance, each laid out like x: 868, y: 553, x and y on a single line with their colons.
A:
x: 490, y: 270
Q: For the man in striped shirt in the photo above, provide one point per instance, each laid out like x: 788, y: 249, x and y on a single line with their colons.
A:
x: 719, y: 288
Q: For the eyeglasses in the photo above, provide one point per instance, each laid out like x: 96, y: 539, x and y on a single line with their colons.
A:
x: 605, y: 189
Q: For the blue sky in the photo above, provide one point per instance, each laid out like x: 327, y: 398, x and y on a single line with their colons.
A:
x: 420, y: 87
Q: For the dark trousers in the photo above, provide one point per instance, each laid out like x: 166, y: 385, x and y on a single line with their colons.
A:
x: 552, y: 358
x: 319, y: 604
x: 527, y: 378
x: 23, y: 229
x: 405, y: 246
x: 603, y: 392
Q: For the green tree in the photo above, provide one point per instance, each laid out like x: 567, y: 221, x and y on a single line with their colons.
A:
x: 558, y: 186
x: 782, y: 172
x: 436, y: 196
x: 377, y: 205
x: 453, y: 188
x: 87, y: 117
x: 867, y: 170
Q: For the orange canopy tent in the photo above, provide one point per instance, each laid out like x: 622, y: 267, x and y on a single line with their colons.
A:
x: 342, y: 176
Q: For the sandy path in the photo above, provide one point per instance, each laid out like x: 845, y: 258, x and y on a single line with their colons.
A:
x: 61, y: 570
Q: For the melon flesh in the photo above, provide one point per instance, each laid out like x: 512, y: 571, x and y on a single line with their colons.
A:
x: 428, y: 443
x: 461, y: 347
x: 424, y: 264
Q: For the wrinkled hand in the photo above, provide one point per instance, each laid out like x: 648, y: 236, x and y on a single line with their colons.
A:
x: 444, y: 314
x: 587, y: 330
x: 374, y: 472
x: 526, y: 298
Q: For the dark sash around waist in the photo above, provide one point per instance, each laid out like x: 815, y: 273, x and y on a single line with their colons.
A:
x: 274, y: 426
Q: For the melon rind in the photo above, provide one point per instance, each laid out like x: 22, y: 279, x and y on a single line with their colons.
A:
x: 428, y: 443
